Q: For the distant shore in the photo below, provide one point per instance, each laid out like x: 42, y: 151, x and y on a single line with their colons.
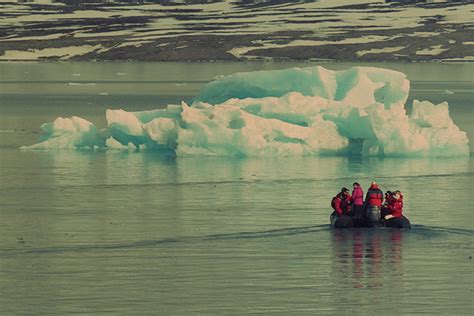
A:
x: 362, y: 31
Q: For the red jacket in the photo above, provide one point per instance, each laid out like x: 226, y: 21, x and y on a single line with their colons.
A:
x: 336, y: 205
x: 341, y: 204
x: 396, y: 207
x: 357, y: 197
x: 374, y: 196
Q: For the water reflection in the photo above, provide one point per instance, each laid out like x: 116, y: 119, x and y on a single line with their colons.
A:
x: 367, y: 258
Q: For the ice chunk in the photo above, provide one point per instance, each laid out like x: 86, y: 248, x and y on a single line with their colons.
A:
x: 433, y: 124
x: 358, y: 86
x: 309, y: 111
x: 73, y: 132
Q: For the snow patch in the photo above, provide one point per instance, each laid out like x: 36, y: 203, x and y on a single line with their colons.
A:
x: 432, y: 51
x: 61, y: 53
x: 380, y: 50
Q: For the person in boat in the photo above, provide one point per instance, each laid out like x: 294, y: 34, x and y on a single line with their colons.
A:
x: 373, y: 204
x: 395, y: 218
x: 385, y: 209
x: 357, y: 203
x: 395, y: 206
x: 341, y: 202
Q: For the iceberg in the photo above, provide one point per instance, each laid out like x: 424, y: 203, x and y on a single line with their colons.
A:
x: 290, y: 112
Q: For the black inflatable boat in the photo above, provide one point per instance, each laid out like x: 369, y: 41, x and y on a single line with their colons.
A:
x: 372, y: 219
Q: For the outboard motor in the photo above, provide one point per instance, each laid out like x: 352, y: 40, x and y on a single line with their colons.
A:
x: 373, y: 216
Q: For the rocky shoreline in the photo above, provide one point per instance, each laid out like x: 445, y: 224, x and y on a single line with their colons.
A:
x: 404, y: 31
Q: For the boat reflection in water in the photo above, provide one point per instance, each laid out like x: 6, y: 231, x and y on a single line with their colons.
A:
x: 368, y: 258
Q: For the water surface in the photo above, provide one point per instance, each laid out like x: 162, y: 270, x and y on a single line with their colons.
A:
x: 116, y: 232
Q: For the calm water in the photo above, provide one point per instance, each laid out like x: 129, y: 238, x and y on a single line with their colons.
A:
x: 134, y: 233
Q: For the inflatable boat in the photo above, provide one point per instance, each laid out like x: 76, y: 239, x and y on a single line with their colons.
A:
x: 397, y: 222
x: 341, y: 221
x: 373, y: 219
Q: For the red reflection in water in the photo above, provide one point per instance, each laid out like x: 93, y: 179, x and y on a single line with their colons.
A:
x: 363, y: 256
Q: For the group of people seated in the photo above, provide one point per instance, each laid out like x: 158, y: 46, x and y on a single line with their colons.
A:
x: 373, y: 210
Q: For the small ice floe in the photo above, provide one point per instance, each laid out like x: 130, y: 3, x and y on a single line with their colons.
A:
x: 76, y: 75
x: 103, y: 93
x: 446, y: 91
x: 81, y: 84
x: 7, y: 131
x: 121, y: 73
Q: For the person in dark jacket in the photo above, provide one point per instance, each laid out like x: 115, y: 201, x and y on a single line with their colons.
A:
x: 385, y: 209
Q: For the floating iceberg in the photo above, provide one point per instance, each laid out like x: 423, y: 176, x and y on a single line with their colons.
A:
x: 292, y: 112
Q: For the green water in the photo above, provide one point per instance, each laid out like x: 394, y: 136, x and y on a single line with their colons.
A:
x: 133, y: 233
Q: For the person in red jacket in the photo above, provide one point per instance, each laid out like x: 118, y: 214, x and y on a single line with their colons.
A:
x: 398, y: 192
x: 341, y: 202
x: 395, y: 205
x: 346, y: 201
x: 395, y: 217
x: 373, y: 204
x: 374, y: 196
x: 357, y: 202
x: 336, y: 204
